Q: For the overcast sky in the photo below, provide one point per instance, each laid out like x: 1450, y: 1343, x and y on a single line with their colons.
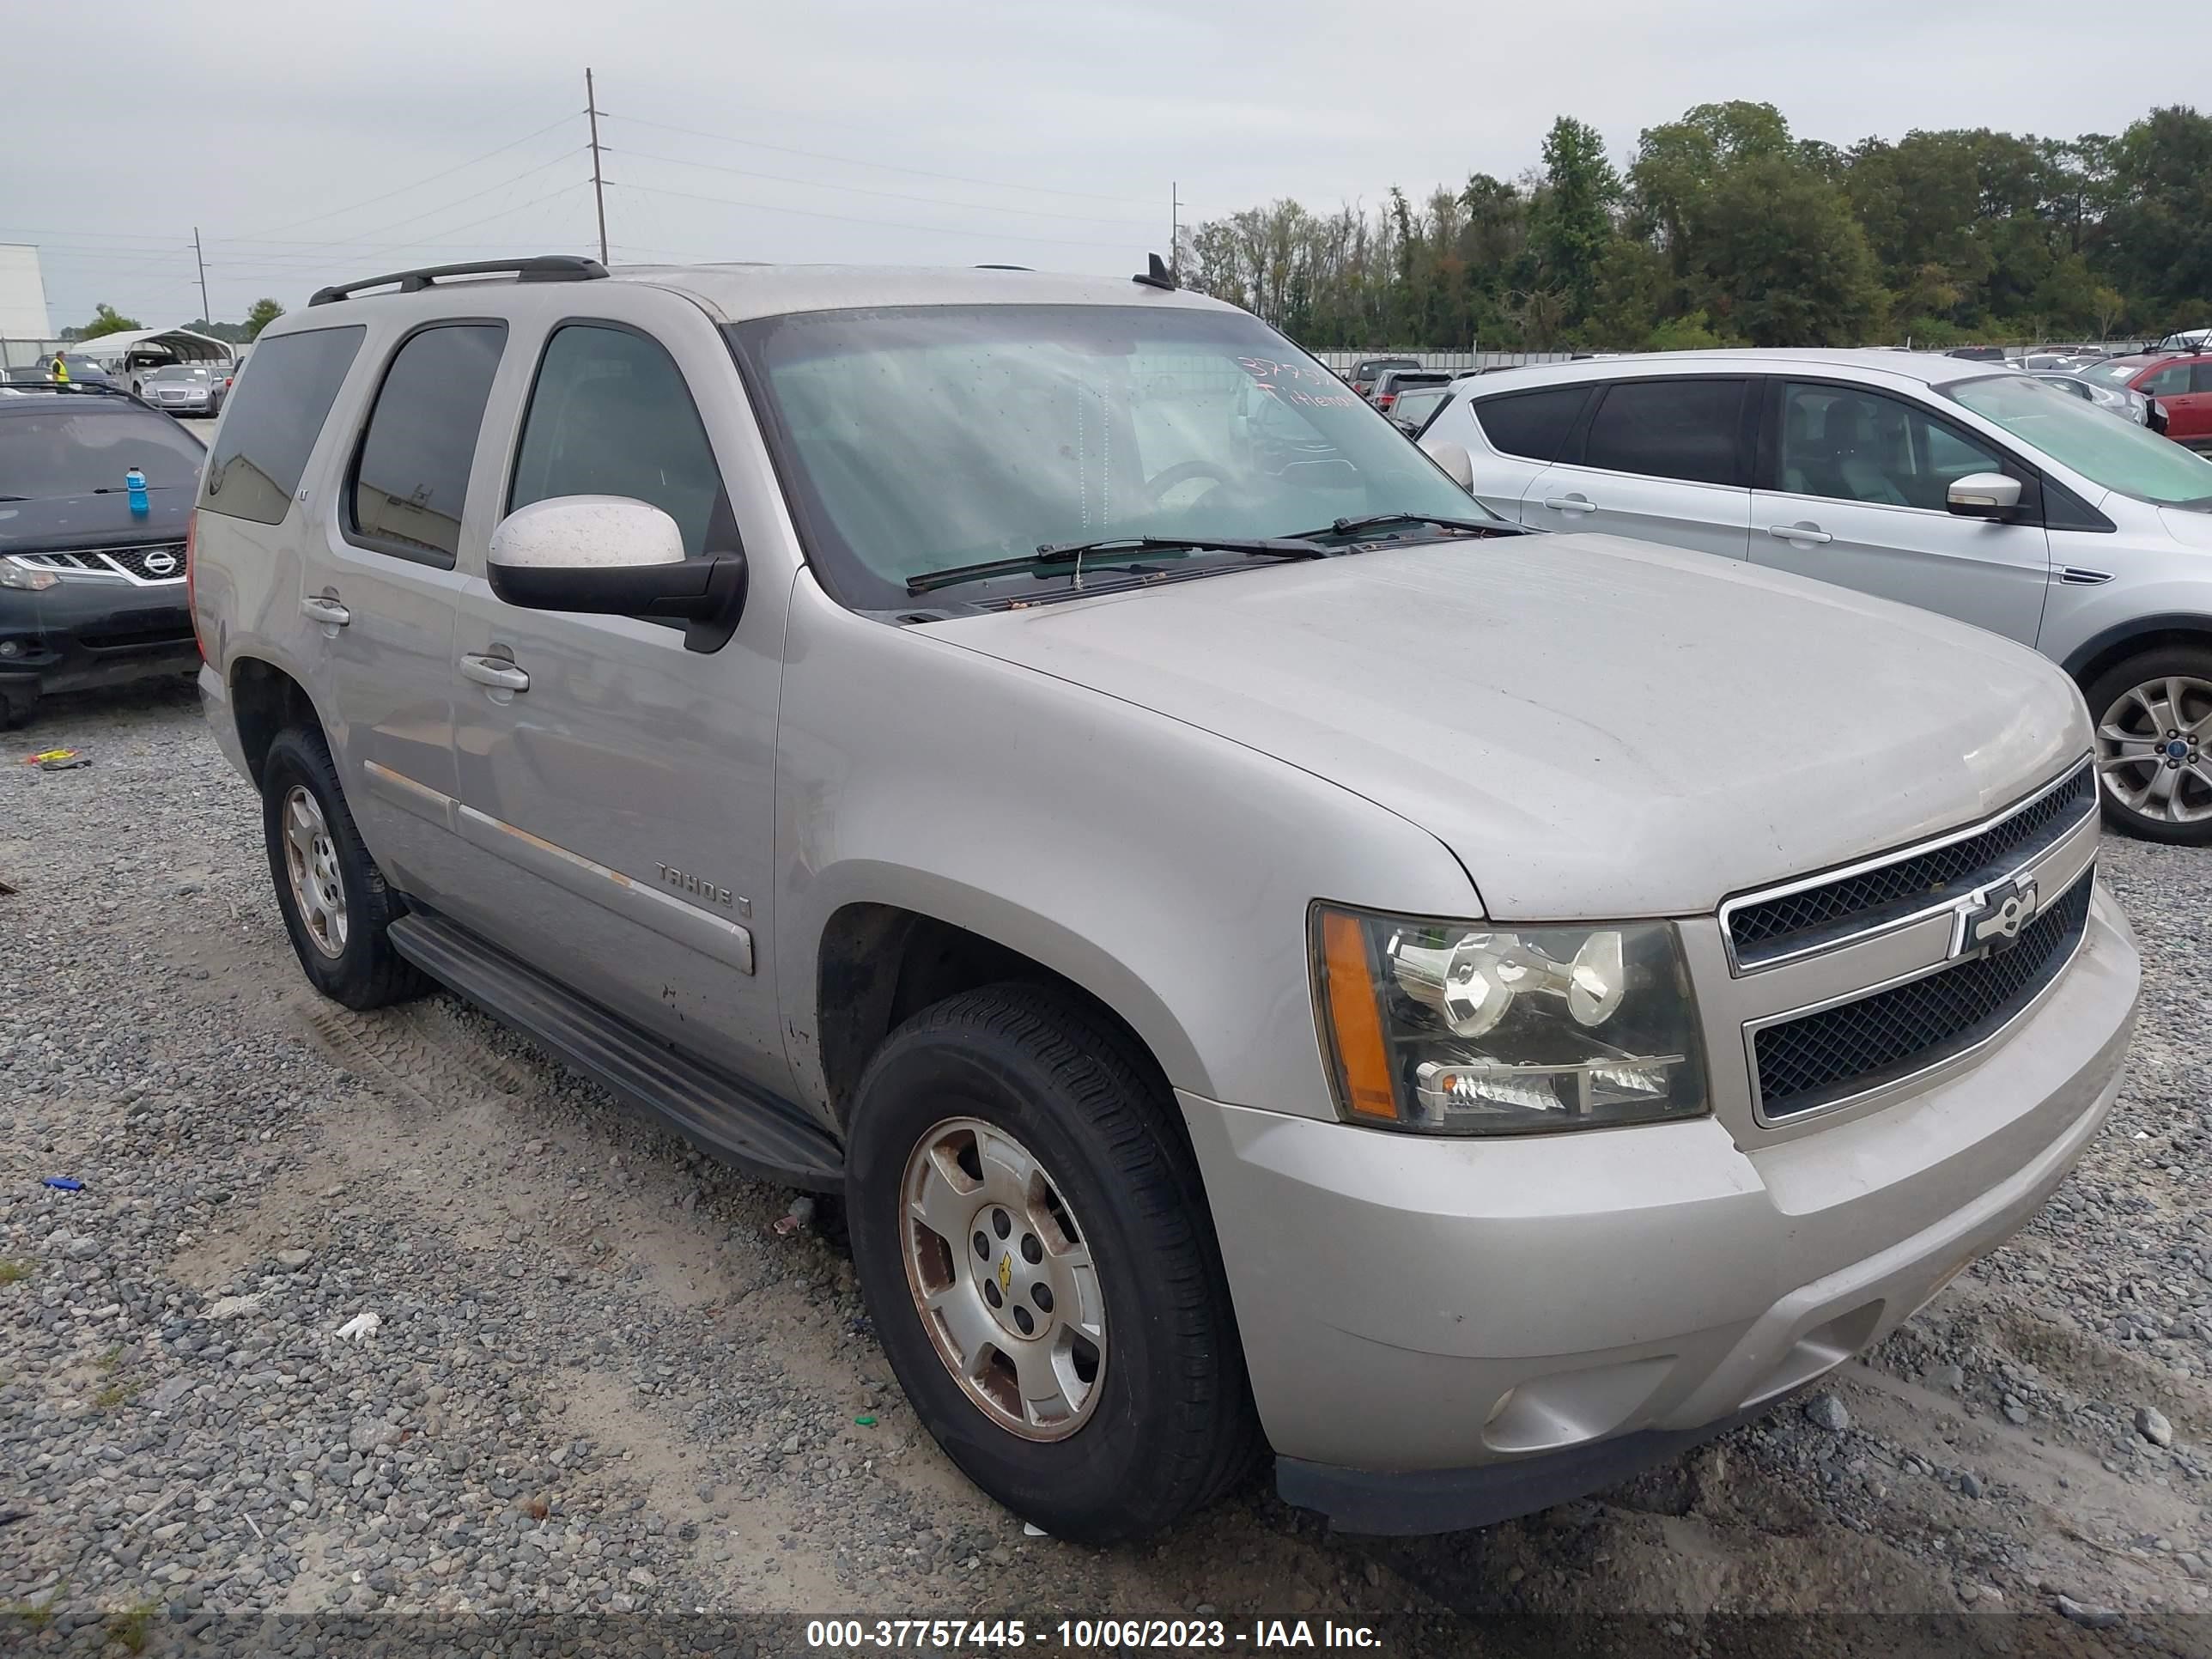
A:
x: 306, y: 140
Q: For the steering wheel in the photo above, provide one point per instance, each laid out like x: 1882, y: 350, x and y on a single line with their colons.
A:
x: 1159, y: 484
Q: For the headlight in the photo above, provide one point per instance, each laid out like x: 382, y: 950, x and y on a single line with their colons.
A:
x: 28, y: 578
x: 1472, y: 1027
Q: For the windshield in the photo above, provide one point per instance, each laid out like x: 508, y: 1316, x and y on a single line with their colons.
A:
x: 2116, y: 454
x: 179, y: 372
x: 2112, y: 375
x: 73, y: 451
x: 921, y: 439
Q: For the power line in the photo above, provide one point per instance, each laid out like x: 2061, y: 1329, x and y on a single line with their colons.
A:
x: 886, y: 166
x: 861, y: 190
x: 446, y: 172
x: 366, y: 240
x: 879, y: 224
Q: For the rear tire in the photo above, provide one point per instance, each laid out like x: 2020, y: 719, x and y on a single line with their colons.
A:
x: 1164, y: 1422
x: 15, y: 708
x: 2153, y: 729
x: 335, y: 902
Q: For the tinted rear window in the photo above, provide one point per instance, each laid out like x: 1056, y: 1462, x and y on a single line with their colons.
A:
x: 1685, y: 429
x: 271, y: 419
x: 411, y: 480
x: 1532, y: 424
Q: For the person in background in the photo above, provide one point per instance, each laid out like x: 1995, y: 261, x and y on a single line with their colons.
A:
x: 61, y: 370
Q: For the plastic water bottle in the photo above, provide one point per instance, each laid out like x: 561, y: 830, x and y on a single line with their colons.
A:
x: 134, y: 481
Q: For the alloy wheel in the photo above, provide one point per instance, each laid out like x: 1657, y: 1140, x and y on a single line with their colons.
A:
x: 311, y: 860
x: 1003, y: 1279
x: 2155, y: 749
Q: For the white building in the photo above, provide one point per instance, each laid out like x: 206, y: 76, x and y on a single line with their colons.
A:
x: 23, y: 294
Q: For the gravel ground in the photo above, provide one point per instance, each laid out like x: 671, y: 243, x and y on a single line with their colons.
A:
x: 599, y: 1380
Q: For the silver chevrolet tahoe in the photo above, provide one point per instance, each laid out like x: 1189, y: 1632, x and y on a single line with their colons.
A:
x: 1274, y: 958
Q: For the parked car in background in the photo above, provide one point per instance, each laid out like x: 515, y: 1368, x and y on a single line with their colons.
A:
x: 92, y: 585
x: 1956, y: 485
x: 1392, y: 381
x: 1980, y: 354
x: 1411, y: 409
x: 1366, y: 372
x: 2114, y: 400
x: 187, y: 388
x: 1283, y: 962
x: 2181, y: 382
x: 82, y: 370
x: 2188, y: 339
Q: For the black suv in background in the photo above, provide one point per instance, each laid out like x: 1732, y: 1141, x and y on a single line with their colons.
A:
x: 91, y: 586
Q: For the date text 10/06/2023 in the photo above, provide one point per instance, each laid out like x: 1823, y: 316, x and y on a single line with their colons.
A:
x: 1079, y: 1635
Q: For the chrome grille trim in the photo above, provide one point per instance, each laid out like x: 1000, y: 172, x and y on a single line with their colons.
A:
x: 1757, y: 957
x: 125, y: 564
x: 1949, y: 1057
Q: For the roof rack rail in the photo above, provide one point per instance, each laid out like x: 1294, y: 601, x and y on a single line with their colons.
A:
x: 542, y: 268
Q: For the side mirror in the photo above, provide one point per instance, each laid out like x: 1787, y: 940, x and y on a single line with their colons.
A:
x: 1982, y: 495
x: 1454, y: 459
x: 609, y: 556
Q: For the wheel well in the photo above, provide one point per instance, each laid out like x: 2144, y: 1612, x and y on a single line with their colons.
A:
x: 881, y: 964
x: 264, y: 700
x: 2103, y: 656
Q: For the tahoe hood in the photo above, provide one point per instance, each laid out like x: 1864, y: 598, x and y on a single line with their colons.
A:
x: 1596, y: 727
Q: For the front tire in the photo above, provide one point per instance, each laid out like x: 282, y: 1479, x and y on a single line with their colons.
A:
x: 335, y: 902
x: 1032, y: 1234
x: 15, y: 708
x: 2154, y: 715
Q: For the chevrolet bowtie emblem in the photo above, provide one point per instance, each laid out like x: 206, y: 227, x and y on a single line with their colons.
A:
x: 1993, y: 918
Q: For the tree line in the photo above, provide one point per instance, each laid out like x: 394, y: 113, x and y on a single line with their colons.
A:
x: 1724, y: 229
x: 106, y: 319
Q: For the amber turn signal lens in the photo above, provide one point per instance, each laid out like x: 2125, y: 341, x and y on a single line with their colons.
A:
x: 1354, y: 1017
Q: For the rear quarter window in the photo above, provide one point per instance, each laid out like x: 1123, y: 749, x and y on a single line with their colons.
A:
x: 271, y: 419
x: 1533, y: 425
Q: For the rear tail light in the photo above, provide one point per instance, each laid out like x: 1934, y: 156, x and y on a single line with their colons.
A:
x: 1385, y: 400
x: 192, y: 577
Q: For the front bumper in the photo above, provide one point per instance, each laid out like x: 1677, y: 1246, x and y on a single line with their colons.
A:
x: 1443, y: 1334
x: 78, y: 635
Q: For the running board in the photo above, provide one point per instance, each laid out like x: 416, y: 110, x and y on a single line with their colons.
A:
x: 760, y: 1135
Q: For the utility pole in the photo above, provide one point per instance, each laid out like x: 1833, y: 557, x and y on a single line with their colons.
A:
x: 1175, y: 233
x: 599, y: 188
x: 206, y: 315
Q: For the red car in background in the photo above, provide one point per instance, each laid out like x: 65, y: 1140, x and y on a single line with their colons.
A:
x: 2180, y: 382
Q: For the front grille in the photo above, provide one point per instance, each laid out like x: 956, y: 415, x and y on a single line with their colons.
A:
x: 137, y: 562
x: 1820, y: 1058
x: 1768, y: 929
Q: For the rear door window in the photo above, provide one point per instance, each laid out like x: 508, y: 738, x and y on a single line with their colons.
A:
x: 1532, y: 424
x: 410, y: 481
x: 271, y: 419
x: 1689, y: 430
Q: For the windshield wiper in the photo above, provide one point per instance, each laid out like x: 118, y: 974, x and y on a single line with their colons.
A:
x: 1376, y: 520
x: 1046, y: 560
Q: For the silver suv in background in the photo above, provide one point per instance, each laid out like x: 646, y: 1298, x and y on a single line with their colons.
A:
x: 1272, y: 957
x: 1953, y: 484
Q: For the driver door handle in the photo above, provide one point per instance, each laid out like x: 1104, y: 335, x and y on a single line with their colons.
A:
x: 1570, y: 503
x: 1797, y: 532
x: 494, y: 672
x: 326, y: 611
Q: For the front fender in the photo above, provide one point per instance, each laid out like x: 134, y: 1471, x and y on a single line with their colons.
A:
x: 1165, y: 870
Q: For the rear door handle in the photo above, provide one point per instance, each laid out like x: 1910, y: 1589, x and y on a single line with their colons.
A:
x: 328, y: 612
x: 1569, y: 504
x: 1797, y: 532
x: 494, y: 672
